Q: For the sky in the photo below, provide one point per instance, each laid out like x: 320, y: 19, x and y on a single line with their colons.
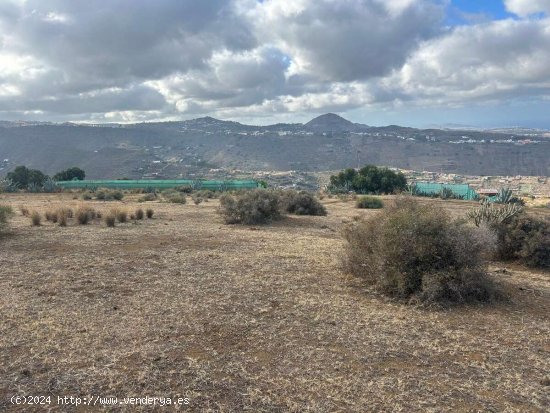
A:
x: 408, y: 62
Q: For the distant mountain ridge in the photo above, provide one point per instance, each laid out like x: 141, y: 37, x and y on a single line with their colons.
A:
x: 327, y: 142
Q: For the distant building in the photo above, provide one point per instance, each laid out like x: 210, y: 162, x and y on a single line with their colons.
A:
x: 488, y: 192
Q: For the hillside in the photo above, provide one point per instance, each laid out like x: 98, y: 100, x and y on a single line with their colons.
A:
x: 329, y: 142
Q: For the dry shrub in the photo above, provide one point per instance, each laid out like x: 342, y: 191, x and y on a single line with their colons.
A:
x: 416, y: 252
x: 6, y: 212
x: 177, y: 199
x: 197, y: 199
x: 110, y: 220
x: 369, y: 202
x: 85, y: 214
x: 526, y: 239
x: 121, y: 215
x: 51, y: 215
x: 301, y: 203
x: 36, y: 219
x: 63, y: 214
x: 258, y: 206
x: 24, y: 211
x: 149, y: 213
x: 148, y: 197
x: 139, y: 214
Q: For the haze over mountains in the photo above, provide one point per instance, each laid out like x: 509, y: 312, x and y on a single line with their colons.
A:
x: 328, y: 142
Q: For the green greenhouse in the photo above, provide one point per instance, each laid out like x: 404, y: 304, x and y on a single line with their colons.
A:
x: 214, y: 185
x: 463, y: 191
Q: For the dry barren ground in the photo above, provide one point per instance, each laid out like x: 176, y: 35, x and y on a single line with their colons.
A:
x: 257, y: 319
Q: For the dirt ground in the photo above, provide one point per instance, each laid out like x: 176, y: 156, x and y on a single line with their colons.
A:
x: 240, y: 318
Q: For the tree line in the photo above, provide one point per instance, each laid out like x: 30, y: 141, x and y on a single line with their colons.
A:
x: 25, y: 178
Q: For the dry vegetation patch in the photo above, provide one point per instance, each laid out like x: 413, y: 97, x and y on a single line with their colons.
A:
x: 257, y: 320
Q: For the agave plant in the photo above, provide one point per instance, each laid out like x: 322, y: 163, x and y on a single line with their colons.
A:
x: 34, y: 187
x: 7, y: 185
x: 504, y: 196
x: 50, y: 186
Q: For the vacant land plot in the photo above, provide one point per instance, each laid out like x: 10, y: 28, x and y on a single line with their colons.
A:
x: 240, y: 318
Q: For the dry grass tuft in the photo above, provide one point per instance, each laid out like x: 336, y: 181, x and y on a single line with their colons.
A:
x: 36, y: 219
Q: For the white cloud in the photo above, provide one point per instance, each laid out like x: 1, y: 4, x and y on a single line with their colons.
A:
x: 527, y: 7
x: 241, y: 58
x: 500, y: 59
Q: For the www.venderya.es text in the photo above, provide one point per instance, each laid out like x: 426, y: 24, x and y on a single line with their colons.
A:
x: 93, y: 400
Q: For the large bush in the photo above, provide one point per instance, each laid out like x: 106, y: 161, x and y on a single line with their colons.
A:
x: 251, y: 207
x: 23, y: 177
x: 368, y: 180
x: 526, y: 239
x: 70, y: 174
x: 301, y: 203
x: 417, y: 252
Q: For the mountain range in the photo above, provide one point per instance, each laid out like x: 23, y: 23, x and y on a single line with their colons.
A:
x: 328, y: 142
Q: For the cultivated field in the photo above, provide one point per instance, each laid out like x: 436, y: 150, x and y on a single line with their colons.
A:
x: 241, y: 318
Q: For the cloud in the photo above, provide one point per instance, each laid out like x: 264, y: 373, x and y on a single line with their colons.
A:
x: 527, y: 7
x: 502, y: 59
x: 123, y: 60
x: 347, y: 40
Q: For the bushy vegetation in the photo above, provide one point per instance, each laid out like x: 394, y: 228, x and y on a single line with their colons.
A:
x: 148, y: 197
x: 488, y: 213
x: 149, y: 213
x: 6, y: 212
x: 139, y: 214
x: 416, y: 252
x: 369, y: 202
x: 70, y: 174
x: 197, y: 199
x: 121, y: 215
x: 176, y: 198
x: 36, y: 219
x: 258, y: 206
x: 524, y: 238
x: 301, y: 203
x: 23, y: 177
x: 106, y: 195
x: 85, y: 214
x: 368, y: 180
x: 110, y: 220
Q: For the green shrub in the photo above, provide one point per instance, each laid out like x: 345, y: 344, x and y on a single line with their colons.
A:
x: 186, y: 189
x: 526, y: 239
x: 139, y: 214
x: 301, y: 203
x: 149, y: 213
x: 258, y: 206
x: 416, y: 252
x: 110, y: 220
x: 369, y: 202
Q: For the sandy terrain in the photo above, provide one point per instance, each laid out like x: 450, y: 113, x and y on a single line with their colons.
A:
x: 258, y: 319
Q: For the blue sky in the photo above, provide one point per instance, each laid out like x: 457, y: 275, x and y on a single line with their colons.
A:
x: 480, y: 63
x: 488, y: 9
